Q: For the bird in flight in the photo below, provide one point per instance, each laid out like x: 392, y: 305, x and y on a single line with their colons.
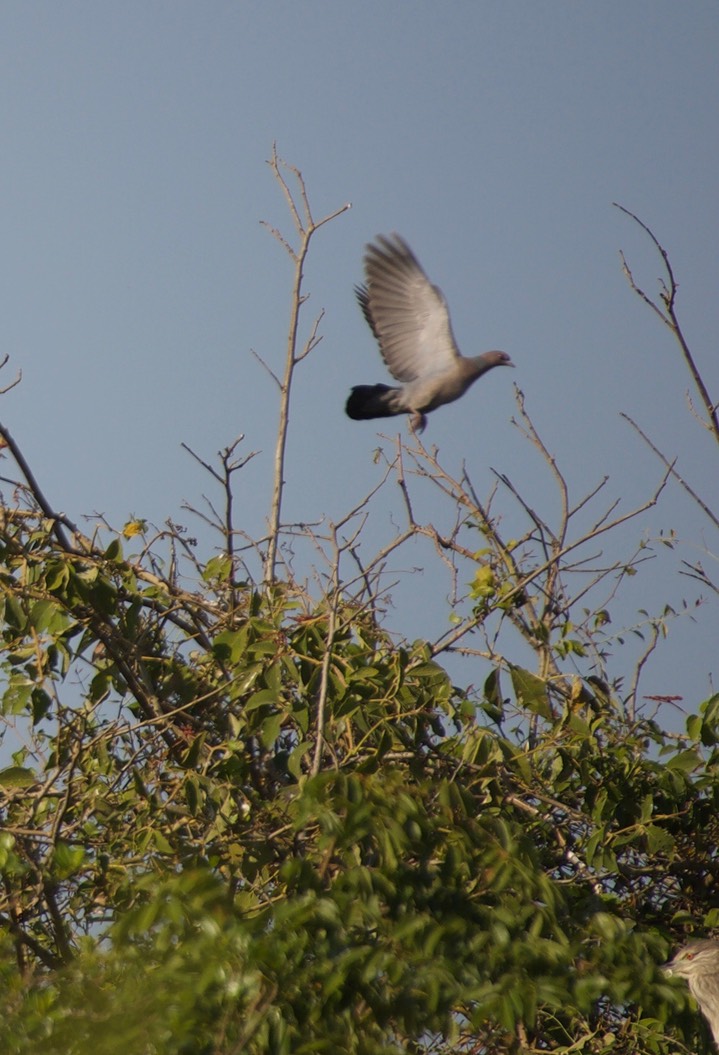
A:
x: 409, y: 318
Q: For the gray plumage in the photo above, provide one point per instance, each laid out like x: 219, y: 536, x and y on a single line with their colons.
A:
x: 409, y: 318
x: 698, y: 962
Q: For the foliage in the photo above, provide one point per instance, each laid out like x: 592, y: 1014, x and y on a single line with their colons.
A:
x: 241, y: 817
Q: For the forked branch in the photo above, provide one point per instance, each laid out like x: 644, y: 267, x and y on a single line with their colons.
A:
x: 667, y: 314
x: 305, y: 227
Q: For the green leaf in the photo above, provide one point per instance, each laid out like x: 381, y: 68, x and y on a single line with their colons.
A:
x: 685, y: 761
x: 262, y: 698
x: 294, y: 762
x: 67, y: 859
x: 219, y: 567
x: 695, y: 723
x: 230, y: 645
x: 531, y: 692
x: 114, y: 551
x: 493, y: 704
x: 15, y: 615
x: 17, y: 777
x: 17, y: 695
x: 45, y: 615
x: 270, y: 729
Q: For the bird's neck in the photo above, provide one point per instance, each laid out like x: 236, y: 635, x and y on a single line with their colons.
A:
x: 475, y: 365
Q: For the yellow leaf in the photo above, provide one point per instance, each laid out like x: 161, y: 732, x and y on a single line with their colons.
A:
x: 134, y: 527
x: 484, y: 583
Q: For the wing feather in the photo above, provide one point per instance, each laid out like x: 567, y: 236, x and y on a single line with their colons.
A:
x: 406, y: 313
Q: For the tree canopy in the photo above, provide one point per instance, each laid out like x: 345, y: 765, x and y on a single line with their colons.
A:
x: 241, y: 816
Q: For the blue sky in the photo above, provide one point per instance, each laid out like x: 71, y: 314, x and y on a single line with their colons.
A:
x: 136, y: 277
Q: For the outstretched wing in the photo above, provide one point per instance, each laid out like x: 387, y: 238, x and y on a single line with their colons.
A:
x: 406, y: 313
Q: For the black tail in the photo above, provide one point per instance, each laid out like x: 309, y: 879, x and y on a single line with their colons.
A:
x: 373, y: 401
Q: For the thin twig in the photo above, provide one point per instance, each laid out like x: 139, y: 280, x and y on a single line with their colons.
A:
x: 305, y: 227
x: 671, y: 467
x: 325, y: 680
x: 669, y: 317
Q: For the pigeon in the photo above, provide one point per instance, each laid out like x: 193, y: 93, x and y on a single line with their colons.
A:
x: 409, y: 318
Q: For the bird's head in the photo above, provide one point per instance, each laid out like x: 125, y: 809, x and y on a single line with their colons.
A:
x: 693, y: 959
x: 497, y: 359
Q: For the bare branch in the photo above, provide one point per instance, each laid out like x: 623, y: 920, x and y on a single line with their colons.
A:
x: 59, y: 520
x: 313, y: 340
x: 668, y: 316
x: 269, y: 369
x: 671, y: 469
x: 449, y: 639
x: 641, y: 663
x: 278, y: 237
x: 205, y: 465
x: 277, y: 164
x: 305, y: 228
x: 325, y: 674
x: 3, y: 362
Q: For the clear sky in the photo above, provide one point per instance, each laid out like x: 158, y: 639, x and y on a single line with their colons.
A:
x: 135, y: 276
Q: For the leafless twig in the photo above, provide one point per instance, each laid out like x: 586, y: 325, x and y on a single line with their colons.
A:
x: 671, y: 468
x: 667, y: 314
x: 305, y: 227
